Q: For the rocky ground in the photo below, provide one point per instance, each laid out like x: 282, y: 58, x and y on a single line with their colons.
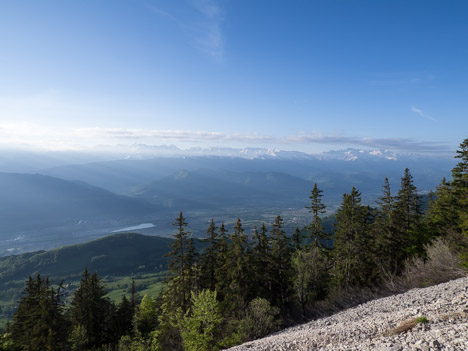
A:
x: 434, y: 318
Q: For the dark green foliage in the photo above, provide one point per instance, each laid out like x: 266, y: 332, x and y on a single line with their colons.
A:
x: 261, y: 246
x: 352, y: 249
x: 407, y: 218
x: 38, y: 323
x: 238, y: 287
x: 181, y: 265
x: 387, y: 246
x: 297, y: 239
x: 310, y: 269
x: 221, y: 269
x: 236, y: 266
x: 448, y: 213
x: 317, y: 234
x: 123, y: 322
x: 279, y: 265
x: 209, y: 259
x: 93, y: 312
x: 113, y: 254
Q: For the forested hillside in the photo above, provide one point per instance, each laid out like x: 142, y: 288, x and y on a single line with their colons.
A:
x: 240, y: 287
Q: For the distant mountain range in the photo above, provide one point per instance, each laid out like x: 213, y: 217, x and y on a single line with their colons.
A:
x: 70, y: 200
x: 208, y: 188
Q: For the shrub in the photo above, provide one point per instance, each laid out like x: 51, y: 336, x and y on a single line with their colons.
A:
x: 260, y: 319
x: 440, y: 266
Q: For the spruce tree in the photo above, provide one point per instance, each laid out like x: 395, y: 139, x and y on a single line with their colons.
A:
x: 280, y: 264
x: 221, y: 269
x: 447, y: 215
x: 260, y: 261
x: 181, y: 261
x: 316, y: 232
x: 407, y: 219
x: 124, y: 318
x: 92, y: 311
x: 352, y: 247
x: 297, y: 239
x: 38, y: 323
x: 460, y: 186
x: 181, y: 282
x: 209, y: 259
x: 387, y: 243
x: 237, y: 269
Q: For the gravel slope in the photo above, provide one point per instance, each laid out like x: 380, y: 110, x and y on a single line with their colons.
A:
x: 371, y: 326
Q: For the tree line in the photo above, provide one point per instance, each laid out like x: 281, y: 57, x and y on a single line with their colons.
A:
x: 240, y: 287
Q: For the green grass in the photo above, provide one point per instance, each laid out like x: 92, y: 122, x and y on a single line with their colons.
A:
x: 146, y: 284
x: 117, y: 286
x: 422, y: 319
x: 117, y: 259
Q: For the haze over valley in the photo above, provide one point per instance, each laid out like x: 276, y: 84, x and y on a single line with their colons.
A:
x: 66, y: 203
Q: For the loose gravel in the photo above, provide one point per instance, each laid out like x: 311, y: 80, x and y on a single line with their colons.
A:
x: 386, y: 324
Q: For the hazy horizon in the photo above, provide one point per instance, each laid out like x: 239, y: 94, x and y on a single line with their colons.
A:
x: 310, y: 76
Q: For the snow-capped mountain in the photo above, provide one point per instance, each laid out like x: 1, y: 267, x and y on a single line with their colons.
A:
x: 142, y: 151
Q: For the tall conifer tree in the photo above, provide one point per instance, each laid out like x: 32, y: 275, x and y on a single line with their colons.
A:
x: 38, y: 323
x: 209, y: 259
x: 316, y: 232
x: 407, y: 218
x: 280, y: 264
x: 237, y: 269
x: 352, y: 262
x: 91, y: 310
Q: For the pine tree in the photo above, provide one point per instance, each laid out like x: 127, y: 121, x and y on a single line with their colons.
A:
x: 297, y: 239
x: 124, y: 318
x: 447, y: 215
x: 221, y: 269
x: 181, y: 262
x: 237, y: 269
x: 209, y: 259
x: 460, y: 186
x: 92, y: 311
x: 352, y: 247
x: 387, y: 243
x: 280, y: 264
x: 316, y: 232
x: 183, y: 279
x: 38, y: 323
x: 407, y: 219
x: 260, y: 261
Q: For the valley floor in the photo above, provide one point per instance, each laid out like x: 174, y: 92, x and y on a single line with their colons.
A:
x: 394, y: 323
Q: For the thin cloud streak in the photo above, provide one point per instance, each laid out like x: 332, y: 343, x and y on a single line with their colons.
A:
x: 63, y: 138
x: 422, y: 113
x: 206, y: 33
x: 212, y: 40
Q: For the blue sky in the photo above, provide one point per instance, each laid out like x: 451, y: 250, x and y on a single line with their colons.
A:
x: 308, y: 75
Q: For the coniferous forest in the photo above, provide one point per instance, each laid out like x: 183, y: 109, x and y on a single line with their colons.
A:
x: 235, y: 287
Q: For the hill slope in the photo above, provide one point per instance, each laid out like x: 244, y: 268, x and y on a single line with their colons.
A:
x: 372, y: 326
x: 34, y: 201
x: 118, y: 254
x: 221, y: 188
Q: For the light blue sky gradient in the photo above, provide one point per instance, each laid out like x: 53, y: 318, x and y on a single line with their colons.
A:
x: 308, y: 75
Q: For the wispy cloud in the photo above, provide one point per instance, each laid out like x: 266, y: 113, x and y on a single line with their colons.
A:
x: 72, y: 138
x: 401, y: 79
x: 422, y: 113
x: 211, y: 39
x: 204, y: 29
